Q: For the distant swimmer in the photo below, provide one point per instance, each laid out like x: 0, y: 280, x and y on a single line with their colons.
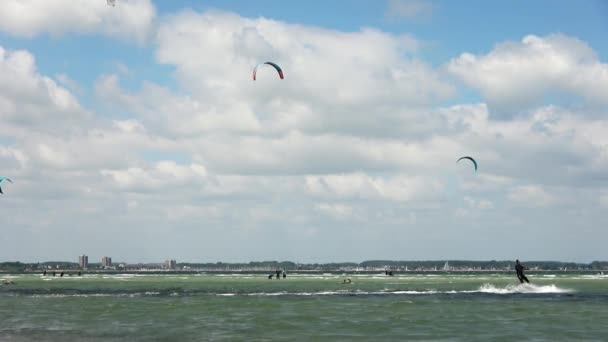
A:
x: 347, y: 281
x: 284, y: 275
x: 270, y: 276
x: 519, y: 268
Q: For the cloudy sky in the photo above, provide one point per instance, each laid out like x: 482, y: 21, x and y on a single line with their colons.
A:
x: 136, y: 131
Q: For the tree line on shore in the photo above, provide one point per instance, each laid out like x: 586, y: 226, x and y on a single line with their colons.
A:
x: 293, y: 266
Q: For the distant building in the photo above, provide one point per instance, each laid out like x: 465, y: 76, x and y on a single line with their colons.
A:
x: 106, y: 261
x: 83, y: 261
x: 170, y: 264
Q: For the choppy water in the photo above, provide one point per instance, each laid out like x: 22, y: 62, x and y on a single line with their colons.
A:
x: 304, y: 307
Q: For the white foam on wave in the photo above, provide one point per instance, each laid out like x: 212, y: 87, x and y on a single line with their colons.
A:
x: 521, y: 288
x: 486, y: 288
x: 592, y: 276
x: 91, y: 295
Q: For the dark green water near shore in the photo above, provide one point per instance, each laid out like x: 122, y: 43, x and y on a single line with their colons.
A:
x: 303, y: 307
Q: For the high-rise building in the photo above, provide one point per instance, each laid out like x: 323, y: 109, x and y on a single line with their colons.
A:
x: 83, y: 261
x: 170, y: 264
x: 106, y: 261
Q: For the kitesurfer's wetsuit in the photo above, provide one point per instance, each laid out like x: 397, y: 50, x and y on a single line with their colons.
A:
x: 520, y: 273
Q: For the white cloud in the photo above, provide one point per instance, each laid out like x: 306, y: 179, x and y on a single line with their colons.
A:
x: 530, y: 148
x: 162, y: 174
x: 531, y: 196
x: 69, y: 83
x: 515, y: 74
x: 350, y: 146
x: 361, y: 186
x: 30, y: 101
x: 330, y: 83
x: 132, y: 19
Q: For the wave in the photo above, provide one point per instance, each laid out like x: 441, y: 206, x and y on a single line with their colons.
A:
x: 87, y: 295
x: 592, y: 276
x: 487, y: 289
x: 522, y: 288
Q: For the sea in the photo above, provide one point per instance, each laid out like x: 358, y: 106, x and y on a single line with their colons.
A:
x: 432, y: 306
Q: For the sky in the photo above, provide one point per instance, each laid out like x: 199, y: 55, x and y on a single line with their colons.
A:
x: 135, y: 131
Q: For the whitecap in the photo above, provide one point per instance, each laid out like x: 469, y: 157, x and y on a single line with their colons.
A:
x: 522, y: 288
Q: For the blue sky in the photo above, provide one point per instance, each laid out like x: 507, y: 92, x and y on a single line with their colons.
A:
x: 141, y: 121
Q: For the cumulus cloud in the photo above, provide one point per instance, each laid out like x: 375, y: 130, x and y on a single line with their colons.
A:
x: 338, y: 81
x: 29, y: 100
x: 353, y: 145
x: 131, y: 19
x: 516, y: 74
x: 550, y: 145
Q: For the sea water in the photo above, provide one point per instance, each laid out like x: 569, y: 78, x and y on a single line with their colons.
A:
x: 304, y: 307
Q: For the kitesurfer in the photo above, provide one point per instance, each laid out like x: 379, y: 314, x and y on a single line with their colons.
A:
x: 284, y: 275
x: 519, y: 268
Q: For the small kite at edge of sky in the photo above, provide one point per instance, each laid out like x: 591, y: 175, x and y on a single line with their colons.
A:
x: 278, y: 68
x: 469, y: 158
x: 2, y: 179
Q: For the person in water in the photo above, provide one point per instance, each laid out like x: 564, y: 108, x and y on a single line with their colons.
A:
x: 519, y: 268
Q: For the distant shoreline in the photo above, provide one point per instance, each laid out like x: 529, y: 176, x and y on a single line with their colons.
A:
x: 366, y: 267
x: 72, y: 272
